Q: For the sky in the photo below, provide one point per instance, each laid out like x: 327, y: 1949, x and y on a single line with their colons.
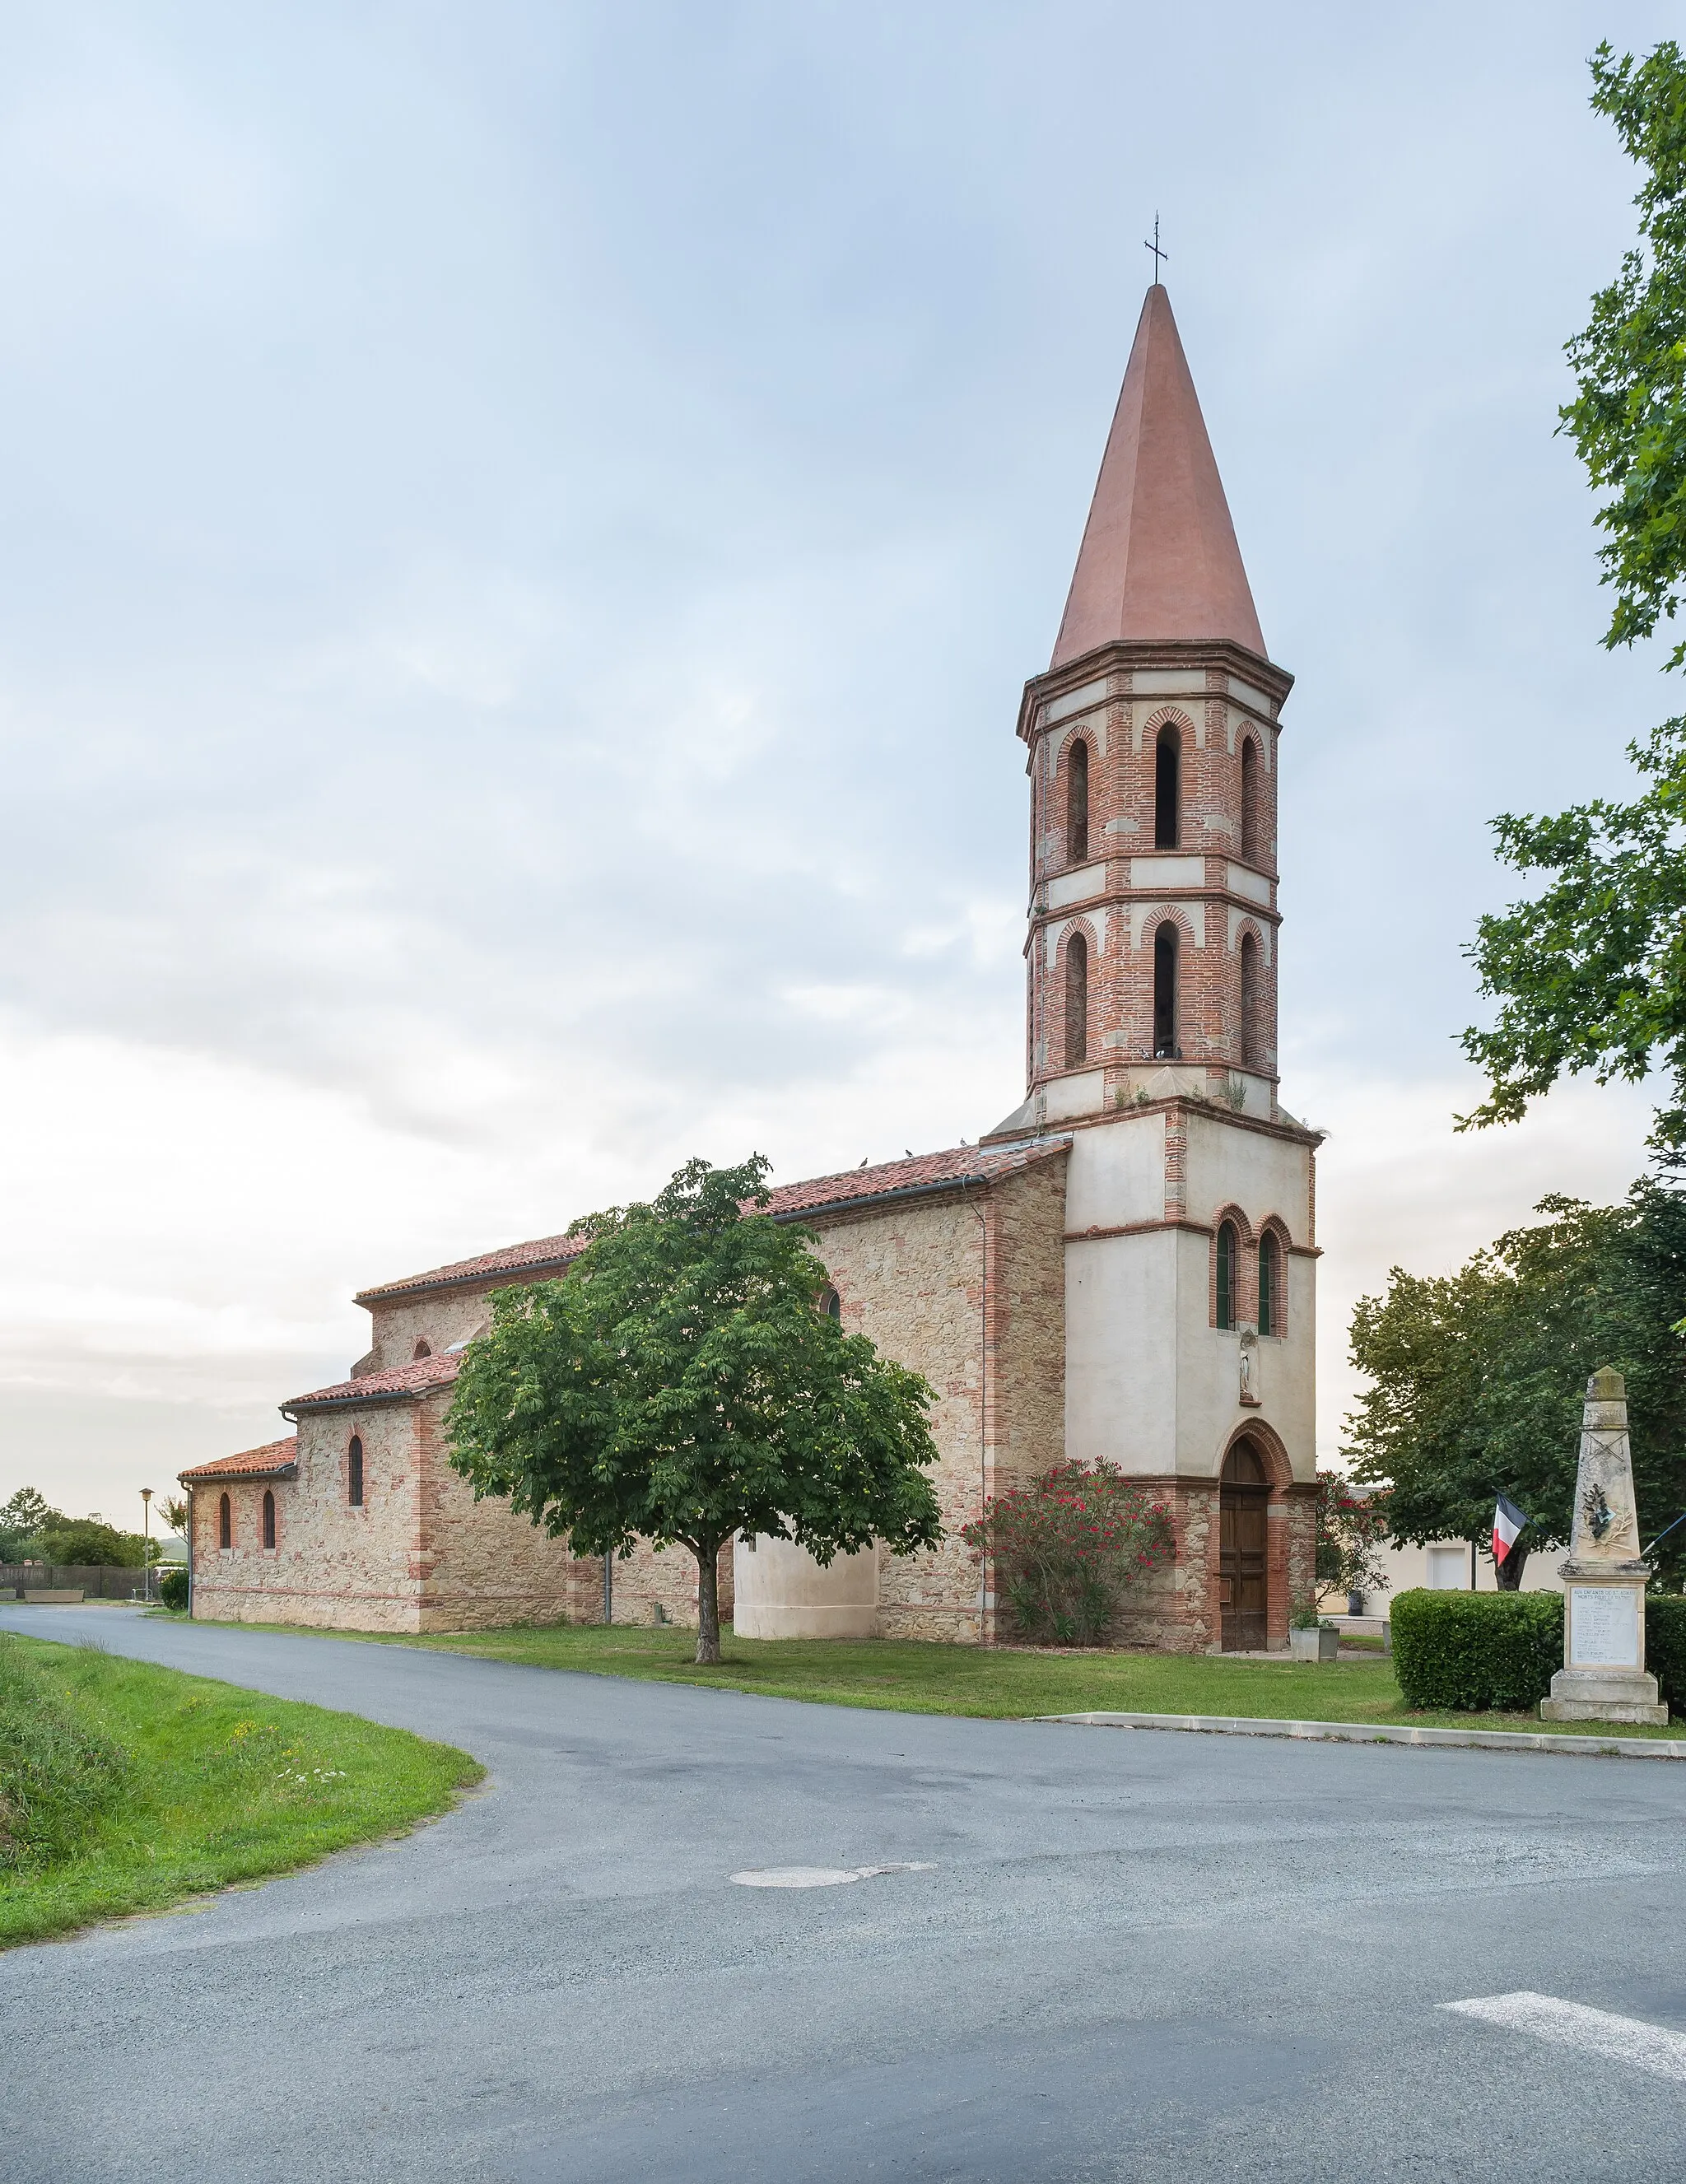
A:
x: 522, y: 530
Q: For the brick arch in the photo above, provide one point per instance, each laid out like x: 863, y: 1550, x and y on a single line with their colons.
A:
x: 1250, y: 924
x: 1057, y: 991
x: 1060, y: 791
x: 1175, y: 716
x: 1272, y: 1224
x: 1245, y: 1299
x: 1153, y: 919
x: 1244, y: 1228
x: 1270, y: 1447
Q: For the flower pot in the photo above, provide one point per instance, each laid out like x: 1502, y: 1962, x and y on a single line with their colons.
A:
x: 1314, y: 1645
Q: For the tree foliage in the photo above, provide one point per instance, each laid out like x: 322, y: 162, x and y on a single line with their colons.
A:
x: 1064, y: 1547
x: 1590, y: 973
x: 679, y: 1385
x: 21, y: 1518
x: 1478, y: 1377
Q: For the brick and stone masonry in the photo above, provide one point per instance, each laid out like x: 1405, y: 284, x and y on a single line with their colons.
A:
x: 1123, y: 1270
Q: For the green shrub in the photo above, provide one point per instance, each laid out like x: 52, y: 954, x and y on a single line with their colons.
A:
x: 57, y: 1775
x: 1665, y: 1646
x: 1473, y: 1651
x: 172, y: 1587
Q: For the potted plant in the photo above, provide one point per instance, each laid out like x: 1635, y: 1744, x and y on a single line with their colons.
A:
x: 1309, y: 1637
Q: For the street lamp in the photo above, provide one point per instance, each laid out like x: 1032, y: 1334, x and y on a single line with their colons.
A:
x: 146, y: 1551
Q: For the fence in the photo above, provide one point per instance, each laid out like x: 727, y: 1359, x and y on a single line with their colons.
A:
x: 97, y: 1581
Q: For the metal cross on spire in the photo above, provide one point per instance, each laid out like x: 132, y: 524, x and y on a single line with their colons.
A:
x: 1157, y: 252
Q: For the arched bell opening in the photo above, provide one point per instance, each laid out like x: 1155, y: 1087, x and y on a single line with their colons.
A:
x: 1243, y: 1548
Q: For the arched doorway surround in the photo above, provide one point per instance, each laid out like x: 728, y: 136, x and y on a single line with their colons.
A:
x: 1244, y: 1547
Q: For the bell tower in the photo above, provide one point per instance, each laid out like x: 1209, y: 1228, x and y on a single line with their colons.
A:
x: 1151, y: 1033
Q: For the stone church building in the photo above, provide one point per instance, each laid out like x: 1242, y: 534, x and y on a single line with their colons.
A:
x: 1123, y: 1269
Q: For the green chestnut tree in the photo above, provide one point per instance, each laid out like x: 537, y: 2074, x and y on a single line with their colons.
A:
x: 1590, y: 972
x: 1478, y: 1377
x: 680, y: 1384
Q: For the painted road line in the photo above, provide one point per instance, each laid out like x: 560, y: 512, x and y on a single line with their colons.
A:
x: 1628, y: 2040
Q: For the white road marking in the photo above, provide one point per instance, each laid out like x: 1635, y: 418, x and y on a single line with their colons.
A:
x: 1628, y: 2040
x: 819, y: 1876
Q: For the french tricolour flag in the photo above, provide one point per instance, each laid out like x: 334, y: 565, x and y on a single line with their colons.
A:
x: 1508, y: 1521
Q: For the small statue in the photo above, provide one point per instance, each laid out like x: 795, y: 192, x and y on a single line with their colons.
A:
x: 1249, y: 1371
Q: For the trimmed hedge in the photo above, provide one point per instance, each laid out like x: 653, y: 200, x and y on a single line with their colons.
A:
x: 1470, y: 1651
x: 1473, y: 1653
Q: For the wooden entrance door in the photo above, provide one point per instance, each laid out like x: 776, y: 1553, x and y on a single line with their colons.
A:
x: 1244, y: 1577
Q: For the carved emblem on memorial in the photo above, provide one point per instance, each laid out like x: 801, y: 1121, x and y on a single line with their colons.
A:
x: 1603, y: 1677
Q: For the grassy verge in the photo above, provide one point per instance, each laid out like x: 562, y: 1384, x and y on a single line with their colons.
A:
x: 914, y: 1678
x: 125, y: 1787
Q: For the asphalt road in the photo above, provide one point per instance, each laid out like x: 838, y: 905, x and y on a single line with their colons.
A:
x: 1134, y: 1955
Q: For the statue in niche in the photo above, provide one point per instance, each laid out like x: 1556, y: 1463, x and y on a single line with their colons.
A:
x: 1248, y: 1366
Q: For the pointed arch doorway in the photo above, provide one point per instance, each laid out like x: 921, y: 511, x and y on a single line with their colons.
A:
x: 1244, y: 1559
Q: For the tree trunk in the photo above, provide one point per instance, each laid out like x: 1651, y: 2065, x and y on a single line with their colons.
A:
x: 708, y: 1603
x: 1509, y: 1571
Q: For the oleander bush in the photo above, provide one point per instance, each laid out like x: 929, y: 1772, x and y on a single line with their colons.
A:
x: 1476, y: 1653
x: 1064, y: 1547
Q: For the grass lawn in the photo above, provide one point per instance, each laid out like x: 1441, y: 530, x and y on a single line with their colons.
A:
x: 125, y: 1787
x: 909, y: 1677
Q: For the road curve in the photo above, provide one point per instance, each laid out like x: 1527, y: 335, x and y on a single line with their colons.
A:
x: 1127, y: 1955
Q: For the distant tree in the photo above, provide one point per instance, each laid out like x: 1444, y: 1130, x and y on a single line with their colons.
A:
x: 1478, y: 1377
x: 680, y: 1384
x: 1590, y: 971
x: 88, y: 1540
x: 20, y: 1519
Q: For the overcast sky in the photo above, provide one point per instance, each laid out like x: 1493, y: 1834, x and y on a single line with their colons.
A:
x: 524, y: 527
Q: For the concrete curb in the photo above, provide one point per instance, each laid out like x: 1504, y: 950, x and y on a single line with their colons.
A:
x: 1364, y: 1732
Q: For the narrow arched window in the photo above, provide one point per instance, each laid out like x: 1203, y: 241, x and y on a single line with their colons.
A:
x: 353, y: 1472
x: 1076, y: 1001
x: 421, y: 1350
x: 1077, y: 803
x: 1251, y: 850
x: 1270, y: 1284
x: 1228, y: 1256
x: 1252, y: 1046
x: 268, y: 1518
x: 1167, y: 789
x: 831, y: 1304
x: 1165, y: 992
x: 225, y: 1523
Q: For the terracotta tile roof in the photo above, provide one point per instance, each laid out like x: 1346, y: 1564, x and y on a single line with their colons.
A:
x: 274, y: 1456
x: 398, y: 1383
x: 890, y: 1179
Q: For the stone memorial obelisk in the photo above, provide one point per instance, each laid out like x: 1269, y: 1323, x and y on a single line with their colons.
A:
x: 1603, y: 1676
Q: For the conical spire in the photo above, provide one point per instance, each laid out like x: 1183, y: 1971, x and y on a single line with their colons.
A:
x: 1158, y: 557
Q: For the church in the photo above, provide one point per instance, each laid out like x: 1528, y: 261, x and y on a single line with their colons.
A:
x: 1124, y: 1269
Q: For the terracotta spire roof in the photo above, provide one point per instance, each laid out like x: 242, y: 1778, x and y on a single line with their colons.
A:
x: 1158, y: 557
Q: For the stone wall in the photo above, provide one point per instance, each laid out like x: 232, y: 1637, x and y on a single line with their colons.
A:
x: 333, y: 1566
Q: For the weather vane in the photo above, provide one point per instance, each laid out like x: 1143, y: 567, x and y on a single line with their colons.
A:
x: 1157, y: 252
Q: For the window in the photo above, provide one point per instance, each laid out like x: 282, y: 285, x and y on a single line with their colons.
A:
x: 1228, y: 1258
x: 225, y: 1523
x: 1251, y: 849
x: 1252, y: 1046
x: 1270, y: 1284
x: 1076, y: 1001
x: 268, y: 1518
x: 1165, y: 993
x: 421, y: 1350
x: 831, y: 1304
x: 353, y: 1472
x: 1168, y: 788
x: 1077, y: 803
